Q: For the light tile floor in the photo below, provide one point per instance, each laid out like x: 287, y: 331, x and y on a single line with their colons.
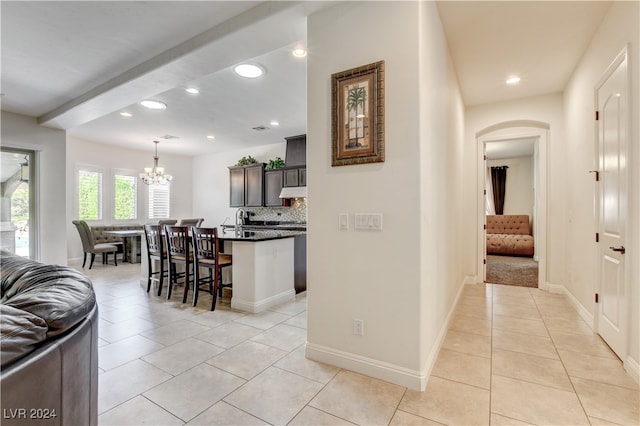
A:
x: 512, y: 356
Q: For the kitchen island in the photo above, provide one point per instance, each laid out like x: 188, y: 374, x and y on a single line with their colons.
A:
x: 263, y: 267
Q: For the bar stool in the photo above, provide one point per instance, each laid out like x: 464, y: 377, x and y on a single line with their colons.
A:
x: 207, y: 255
x: 191, y: 222
x: 177, y: 239
x: 155, y: 252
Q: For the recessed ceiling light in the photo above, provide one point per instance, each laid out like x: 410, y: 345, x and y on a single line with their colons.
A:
x: 126, y: 114
x: 192, y: 90
x: 299, y: 52
x: 249, y: 70
x: 151, y: 104
x: 513, y: 80
x: 274, y: 123
x: 210, y: 137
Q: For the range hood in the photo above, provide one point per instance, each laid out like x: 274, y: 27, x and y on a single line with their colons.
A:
x: 294, y: 192
x: 295, y: 156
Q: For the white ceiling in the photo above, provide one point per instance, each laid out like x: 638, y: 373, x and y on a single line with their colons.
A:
x: 76, y: 65
x: 540, y: 41
x: 514, y: 148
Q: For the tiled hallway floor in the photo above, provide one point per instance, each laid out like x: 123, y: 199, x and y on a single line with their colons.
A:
x: 512, y: 356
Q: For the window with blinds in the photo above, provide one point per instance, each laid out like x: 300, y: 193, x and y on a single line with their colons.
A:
x: 125, y: 192
x: 89, y: 195
x: 159, y: 205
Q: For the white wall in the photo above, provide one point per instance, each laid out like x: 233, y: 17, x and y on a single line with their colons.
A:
x: 545, y: 109
x: 441, y: 186
x: 24, y: 132
x: 621, y: 26
x: 211, y: 181
x: 400, y: 285
x: 112, y: 157
x: 519, y: 189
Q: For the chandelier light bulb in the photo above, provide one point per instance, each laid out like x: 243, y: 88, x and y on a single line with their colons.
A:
x: 155, y: 175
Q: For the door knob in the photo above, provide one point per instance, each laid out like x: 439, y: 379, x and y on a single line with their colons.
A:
x: 621, y: 249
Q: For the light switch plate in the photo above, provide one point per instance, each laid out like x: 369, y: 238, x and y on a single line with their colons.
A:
x: 343, y: 221
x: 368, y: 221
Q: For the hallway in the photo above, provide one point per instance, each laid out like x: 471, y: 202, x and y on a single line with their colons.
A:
x: 512, y: 355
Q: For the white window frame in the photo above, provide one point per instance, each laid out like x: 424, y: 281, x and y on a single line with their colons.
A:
x: 92, y: 169
x: 134, y: 175
x: 150, y: 210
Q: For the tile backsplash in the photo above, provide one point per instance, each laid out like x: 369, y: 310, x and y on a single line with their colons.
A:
x: 296, y: 213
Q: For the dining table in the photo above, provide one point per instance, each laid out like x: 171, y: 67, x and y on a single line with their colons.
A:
x: 132, y: 238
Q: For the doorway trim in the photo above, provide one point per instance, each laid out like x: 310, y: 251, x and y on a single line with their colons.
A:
x: 621, y: 349
x: 34, y: 195
x: 517, y: 129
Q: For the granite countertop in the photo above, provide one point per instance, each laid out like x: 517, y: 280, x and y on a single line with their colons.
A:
x: 292, y: 226
x: 231, y: 234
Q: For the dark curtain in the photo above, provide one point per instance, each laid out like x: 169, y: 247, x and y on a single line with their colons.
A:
x: 499, y: 182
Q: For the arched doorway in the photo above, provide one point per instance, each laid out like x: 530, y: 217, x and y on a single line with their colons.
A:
x: 511, y: 131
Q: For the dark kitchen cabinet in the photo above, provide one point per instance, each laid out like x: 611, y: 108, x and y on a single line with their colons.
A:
x: 236, y: 186
x: 246, y: 186
x: 295, y: 176
x: 296, y: 152
x: 302, y: 177
x: 291, y: 177
x: 300, y: 263
x: 273, y: 181
x: 254, y: 196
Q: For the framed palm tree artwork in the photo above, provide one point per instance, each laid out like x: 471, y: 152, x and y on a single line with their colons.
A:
x: 357, y: 110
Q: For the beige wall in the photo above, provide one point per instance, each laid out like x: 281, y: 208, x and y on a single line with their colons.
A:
x: 543, y: 109
x: 110, y: 158
x: 621, y: 26
x: 211, y: 180
x: 519, y: 188
x: 402, y: 280
x: 24, y: 132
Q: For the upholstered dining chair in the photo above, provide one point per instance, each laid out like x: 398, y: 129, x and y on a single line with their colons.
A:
x: 156, y: 252
x: 89, y: 246
x: 178, y: 253
x: 191, y: 222
x: 163, y: 222
x: 206, y: 254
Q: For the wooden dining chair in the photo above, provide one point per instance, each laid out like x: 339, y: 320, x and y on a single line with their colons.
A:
x: 206, y: 254
x: 156, y: 252
x: 178, y: 253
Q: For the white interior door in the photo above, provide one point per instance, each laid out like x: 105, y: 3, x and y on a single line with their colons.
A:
x: 612, y: 99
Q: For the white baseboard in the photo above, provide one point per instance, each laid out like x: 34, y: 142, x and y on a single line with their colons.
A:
x: 633, y: 368
x: 471, y: 279
x: 435, y: 349
x: 556, y: 288
x: 412, y: 379
x: 264, y: 304
x: 582, y: 311
x: 371, y: 367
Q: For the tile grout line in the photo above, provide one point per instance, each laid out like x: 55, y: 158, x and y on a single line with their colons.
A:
x: 491, y: 356
x: 564, y: 367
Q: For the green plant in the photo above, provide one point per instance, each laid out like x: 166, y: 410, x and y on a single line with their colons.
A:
x: 276, y: 163
x: 245, y: 161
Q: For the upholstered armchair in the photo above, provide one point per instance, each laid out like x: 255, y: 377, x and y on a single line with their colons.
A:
x: 89, y: 246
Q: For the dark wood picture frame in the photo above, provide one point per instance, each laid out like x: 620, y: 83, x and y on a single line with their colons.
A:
x: 357, y: 115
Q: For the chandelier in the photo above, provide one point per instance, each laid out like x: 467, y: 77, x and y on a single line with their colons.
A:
x: 155, y: 175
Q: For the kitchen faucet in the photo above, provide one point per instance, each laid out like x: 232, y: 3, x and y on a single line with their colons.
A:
x: 240, y: 215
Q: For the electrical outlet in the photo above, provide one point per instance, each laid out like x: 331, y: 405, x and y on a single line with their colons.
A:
x: 358, y: 327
